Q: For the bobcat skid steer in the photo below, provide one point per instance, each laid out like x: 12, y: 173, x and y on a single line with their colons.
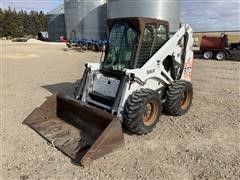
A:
x: 143, y: 72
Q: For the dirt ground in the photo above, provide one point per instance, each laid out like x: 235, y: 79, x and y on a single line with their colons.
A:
x: 204, y: 143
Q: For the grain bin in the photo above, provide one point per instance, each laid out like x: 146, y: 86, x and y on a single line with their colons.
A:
x: 56, y: 23
x: 85, y: 18
x: 168, y: 10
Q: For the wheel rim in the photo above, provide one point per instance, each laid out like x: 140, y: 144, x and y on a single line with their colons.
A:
x: 185, y: 100
x: 207, y: 55
x: 150, y: 113
x: 220, y: 56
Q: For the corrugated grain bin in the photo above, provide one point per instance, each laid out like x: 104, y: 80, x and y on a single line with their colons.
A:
x: 85, y: 18
x: 159, y: 9
x: 56, y: 23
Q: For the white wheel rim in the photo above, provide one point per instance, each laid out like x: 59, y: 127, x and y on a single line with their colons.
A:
x: 220, y: 56
x: 207, y: 55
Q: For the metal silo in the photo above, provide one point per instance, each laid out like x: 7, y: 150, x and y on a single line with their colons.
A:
x: 168, y: 10
x: 85, y: 18
x: 56, y: 23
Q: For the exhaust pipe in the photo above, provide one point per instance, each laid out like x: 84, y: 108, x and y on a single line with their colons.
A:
x: 82, y: 132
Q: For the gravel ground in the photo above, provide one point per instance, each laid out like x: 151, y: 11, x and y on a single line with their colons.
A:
x: 202, y: 144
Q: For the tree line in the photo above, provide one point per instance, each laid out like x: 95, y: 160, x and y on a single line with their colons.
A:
x: 21, y: 23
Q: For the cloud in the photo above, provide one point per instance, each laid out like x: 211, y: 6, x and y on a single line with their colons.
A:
x: 211, y: 15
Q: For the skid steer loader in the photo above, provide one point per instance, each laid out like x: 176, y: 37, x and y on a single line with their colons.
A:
x: 143, y: 72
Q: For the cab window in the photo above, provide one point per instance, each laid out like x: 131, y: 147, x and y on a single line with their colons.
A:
x: 153, y: 39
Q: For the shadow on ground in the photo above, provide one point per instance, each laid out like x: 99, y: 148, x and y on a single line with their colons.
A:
x: 66, y: 88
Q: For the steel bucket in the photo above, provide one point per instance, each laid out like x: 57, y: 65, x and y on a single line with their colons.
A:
x: 82, y: 132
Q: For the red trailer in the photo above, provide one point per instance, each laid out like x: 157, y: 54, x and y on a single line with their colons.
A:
x: 215, y: 47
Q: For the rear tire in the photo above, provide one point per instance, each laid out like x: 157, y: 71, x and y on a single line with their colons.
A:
x: 220, y: 56
x: 178, y: 97
x: 207, y: 55
x: 142, y: 111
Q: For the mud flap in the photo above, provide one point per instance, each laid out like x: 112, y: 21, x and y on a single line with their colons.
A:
x: 82, y: 132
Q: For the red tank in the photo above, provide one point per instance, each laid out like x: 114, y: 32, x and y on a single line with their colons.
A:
x: 213, y: 43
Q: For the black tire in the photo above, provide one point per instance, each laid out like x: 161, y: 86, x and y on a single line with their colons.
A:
x: 76, y: 87
x: 220, y: 56
x: 207, y: 55
x: 142, y: 111
x: 178, y: 98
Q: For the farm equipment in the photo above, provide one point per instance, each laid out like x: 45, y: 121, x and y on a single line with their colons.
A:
x: 78, y: 43
x: 97, y: 45
x: 215, y: 47
x: 144, y: 71
x: 90, y: 44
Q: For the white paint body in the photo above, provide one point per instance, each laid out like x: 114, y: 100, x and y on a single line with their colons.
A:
x: 151, y: 75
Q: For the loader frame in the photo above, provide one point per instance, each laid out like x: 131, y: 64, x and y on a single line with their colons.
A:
x: 154, y: 74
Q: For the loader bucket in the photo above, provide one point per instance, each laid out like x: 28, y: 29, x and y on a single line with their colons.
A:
x: 82, y: 132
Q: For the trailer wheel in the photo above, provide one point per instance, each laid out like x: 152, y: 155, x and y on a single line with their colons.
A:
x: 220, y: 56
x: 142, y: 111
x: 207, y: 55
x: 178, y: 97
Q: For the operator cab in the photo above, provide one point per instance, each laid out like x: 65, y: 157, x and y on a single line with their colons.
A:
x: 132, y: 42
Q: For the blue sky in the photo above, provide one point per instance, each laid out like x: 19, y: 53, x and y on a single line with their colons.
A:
x: 202, y: 15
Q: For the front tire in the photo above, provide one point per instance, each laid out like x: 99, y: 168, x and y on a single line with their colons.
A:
x: 178, y: 97
x: 142, y: 111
